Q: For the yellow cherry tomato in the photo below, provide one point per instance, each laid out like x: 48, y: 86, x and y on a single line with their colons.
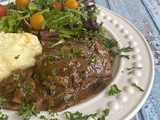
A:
x: 22, y: 2
x: 71, y: 4
x: 36, y: 21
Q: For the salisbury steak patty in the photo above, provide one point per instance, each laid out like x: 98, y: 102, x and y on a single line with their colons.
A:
x: 65, y: 74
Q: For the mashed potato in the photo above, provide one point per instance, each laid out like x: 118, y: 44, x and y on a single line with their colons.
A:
x: 17, y: 51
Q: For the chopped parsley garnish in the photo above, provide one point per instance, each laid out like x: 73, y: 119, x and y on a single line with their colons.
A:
x: 106, y: 111
x: 2, y: 102
x: 17, y: 57
x: 113, y: 53
x: 42, y: 117
x: 126, y: 49
x: 65, y: 100
x: 90, y: 45
x: 105, y: 114
x: 75, y: 39
x: 16, y: 77
x: 74, y: 97
x: 28, y: 88
x: 71, y: 55
x: 57, y: 43
x: 136, y: 86
x: 63, y: 53
x: 75, y: 50
x: 53, y: 114
x: 124, y: 56
x: 78, y: 116
x: 35, y: 76
x: 3, y: 116
x: 130, y: 70
x: 114, y: 90
x: 27, y: 111
x: 66, y: 64
x: 50, y: 57
x: 110, y: 43
x: 92, y: 62
x: 54, y: 72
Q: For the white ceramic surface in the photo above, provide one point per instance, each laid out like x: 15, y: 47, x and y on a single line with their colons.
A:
x: 125, y: 105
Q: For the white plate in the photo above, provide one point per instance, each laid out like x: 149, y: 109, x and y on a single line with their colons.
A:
x: 125, y: 105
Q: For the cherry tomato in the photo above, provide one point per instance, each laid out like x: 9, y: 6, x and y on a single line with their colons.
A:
x: 3, y: 11
x: 57, y: 4
x: 23, y: 2
x: 36, y: 21
x: 71, y: 4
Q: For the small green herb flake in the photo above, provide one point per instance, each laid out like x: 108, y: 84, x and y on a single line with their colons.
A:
x: 42, y: 117
x: 126, y: 49
x: 65, y: 100
x: 113, y: 54
x: 79, y: 116
x: 124, y: 56
x: 16, y: 77
x: 130, y: 70
x: 114, y: 90
x: 90, y: 45
x: 75, y: 97
x: 63, y: 53
x: 17, y: 57
x: 35, y: 76
x: 106, y: 111
x: 54, y: 72
x: 71, y: 55
x: 27, y: 111
x: 58, y: 43
x: 3, y: 116
x: 66, y: 64
x: 110, y: 43
x: 52, y: 113
x: 2, y: 102
x: 52, y: 57
x: 136, y: 86
x: 92, y: 62
x: 105, y: 114
x: 75, y: 50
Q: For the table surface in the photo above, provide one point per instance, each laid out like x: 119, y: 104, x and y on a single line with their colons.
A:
x: 145, y: 15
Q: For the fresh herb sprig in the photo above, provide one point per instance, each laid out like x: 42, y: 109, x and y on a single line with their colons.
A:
x: 16, y: 77
x: 78, y: 116
x: 130, y: 70
x: 27, y: 111
x: 111, y: 43
x: 3, y: 116
x: 2, y: 102
x: 16, y: 57
x: 54, y: 72
x: 105, y: 114
x: 126, y: 49
x: 92, y: 61
x: 136, y: 86
x: 124, y: 56
x: 114, y: 90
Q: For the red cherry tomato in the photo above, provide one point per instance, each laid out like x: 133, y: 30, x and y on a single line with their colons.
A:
x: 57, y: 4
x: 3, y: 11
